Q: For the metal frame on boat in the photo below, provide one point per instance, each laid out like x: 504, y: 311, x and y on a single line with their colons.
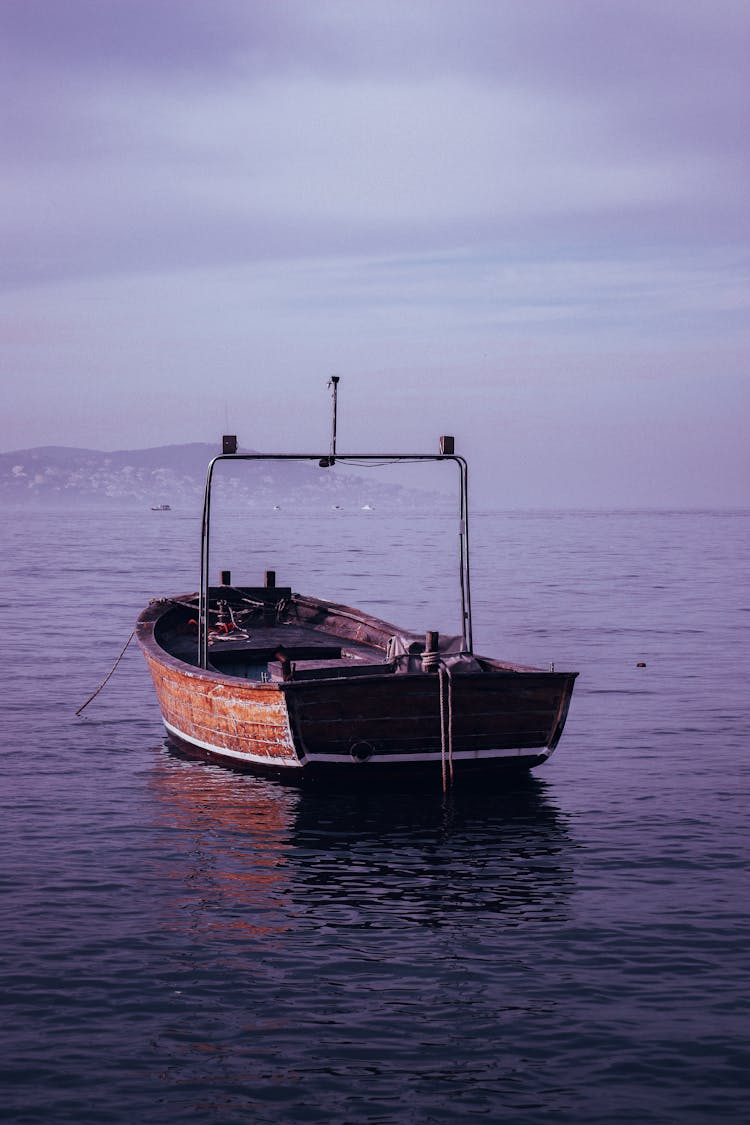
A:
x: 349, y: 459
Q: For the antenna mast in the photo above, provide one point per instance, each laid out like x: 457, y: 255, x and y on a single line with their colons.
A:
x: 334, y: 382
x: 326, y: 462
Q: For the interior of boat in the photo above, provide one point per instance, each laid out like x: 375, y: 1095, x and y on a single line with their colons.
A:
x: 271, y: 635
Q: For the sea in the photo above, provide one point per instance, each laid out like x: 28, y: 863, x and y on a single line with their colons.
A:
x: 182, y: 943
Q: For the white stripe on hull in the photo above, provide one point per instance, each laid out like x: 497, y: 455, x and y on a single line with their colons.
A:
x: 342, y: 760
x: 236, y: 755
x: 433, y: 756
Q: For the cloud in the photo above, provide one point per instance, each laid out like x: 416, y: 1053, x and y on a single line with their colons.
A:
x: 135, y: 36
x: 121, y: 172
x: 150, y: 135
x: 482, y: 194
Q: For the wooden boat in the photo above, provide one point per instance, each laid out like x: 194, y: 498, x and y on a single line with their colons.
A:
x: 269, y: 680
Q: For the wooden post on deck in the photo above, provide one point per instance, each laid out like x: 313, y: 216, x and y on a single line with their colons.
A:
x: 431, y: 654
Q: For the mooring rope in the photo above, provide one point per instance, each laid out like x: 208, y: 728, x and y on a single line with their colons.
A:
x: 108, y: 676
x: 446, y: 729
x: 450, y: 724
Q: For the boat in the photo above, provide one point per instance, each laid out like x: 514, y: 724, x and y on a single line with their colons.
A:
x: 266, y: 679
x: 161, y: 508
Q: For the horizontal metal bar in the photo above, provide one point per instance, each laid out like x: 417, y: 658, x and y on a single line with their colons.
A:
x: 339, y: 457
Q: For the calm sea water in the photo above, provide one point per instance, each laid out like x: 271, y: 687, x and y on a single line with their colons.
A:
x: 181, y: 943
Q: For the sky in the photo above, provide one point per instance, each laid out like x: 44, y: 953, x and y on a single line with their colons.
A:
x: 522, y: 222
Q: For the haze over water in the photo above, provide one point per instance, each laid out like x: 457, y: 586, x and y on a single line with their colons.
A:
x: 181, y: 943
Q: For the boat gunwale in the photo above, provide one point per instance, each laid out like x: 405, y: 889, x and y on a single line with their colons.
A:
x: 159, y: 608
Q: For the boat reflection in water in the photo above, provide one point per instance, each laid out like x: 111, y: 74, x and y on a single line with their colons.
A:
x: 257, y: 859
x: 228, y: 864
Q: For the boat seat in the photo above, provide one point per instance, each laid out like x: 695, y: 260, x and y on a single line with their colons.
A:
x: 327, y: 669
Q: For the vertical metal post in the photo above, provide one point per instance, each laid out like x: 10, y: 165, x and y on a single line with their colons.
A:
x: 466, y: 630
x: 464, y: 576
x: 205, y: 589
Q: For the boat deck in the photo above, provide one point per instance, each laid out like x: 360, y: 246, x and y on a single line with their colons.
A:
x: 254, y: 653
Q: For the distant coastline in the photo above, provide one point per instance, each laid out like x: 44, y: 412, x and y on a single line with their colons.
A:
x: 58, y: 476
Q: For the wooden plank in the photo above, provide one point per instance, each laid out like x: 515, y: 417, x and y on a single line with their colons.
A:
x: 249, y: 721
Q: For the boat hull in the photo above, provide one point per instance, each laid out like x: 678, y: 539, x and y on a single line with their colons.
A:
x: 488, y: 720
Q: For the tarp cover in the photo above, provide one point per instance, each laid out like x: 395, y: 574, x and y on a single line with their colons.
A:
x: 406, y: 652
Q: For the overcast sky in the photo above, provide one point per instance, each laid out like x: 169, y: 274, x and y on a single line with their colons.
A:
x: 521, y: 221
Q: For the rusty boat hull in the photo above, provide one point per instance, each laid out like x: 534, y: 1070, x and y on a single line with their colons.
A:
x: 298, y: 687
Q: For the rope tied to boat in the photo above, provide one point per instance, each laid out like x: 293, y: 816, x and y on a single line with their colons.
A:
x: 445, y: 681
x: 278, y: 606
x: 108, y: 676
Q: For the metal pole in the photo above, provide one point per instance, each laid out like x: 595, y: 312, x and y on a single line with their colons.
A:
x: 466, y: 630
x: 204, y: 595
x: 463, y: 555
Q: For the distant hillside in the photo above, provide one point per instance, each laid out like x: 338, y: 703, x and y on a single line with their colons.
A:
x: 175, y: 475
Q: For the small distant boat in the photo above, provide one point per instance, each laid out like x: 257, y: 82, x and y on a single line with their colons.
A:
x: 367, y: 508
x: 161, y: 508
x: 273, y: 681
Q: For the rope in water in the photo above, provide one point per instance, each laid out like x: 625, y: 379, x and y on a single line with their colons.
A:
x: 108, y: 676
